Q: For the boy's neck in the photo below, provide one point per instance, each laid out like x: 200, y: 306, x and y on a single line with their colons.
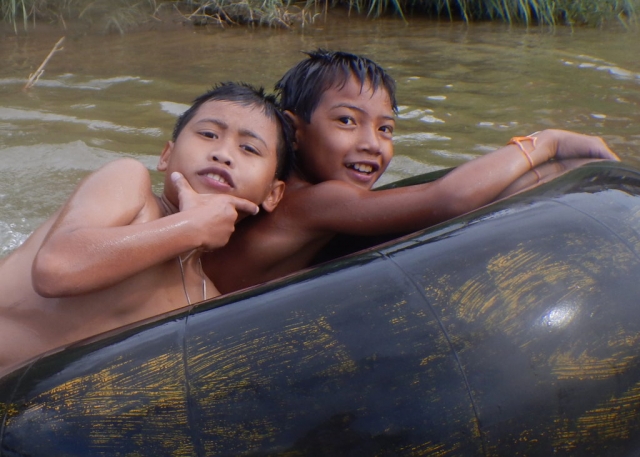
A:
x: 166, y: 206
x: 296, y: 179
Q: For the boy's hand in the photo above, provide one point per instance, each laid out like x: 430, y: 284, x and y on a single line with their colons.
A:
x: 215, y: 215
x: 570, y: 145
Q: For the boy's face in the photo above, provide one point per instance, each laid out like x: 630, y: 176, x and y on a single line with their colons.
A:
x: 225, y: 148
x: 349, y: 137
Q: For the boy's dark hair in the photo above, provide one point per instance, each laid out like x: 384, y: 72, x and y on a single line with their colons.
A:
x: 248, y: 95
x: 302, y: 86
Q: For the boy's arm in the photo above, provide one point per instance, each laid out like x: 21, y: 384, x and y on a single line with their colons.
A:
x: 338, y: 207
x: 543, y: 173
x: 109, y: 230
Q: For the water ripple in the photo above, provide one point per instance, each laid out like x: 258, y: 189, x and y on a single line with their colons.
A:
x: 173, y: 108
x: 10, y: 238
x: 65, y: 82
x: 612, y: 69
x: 14, y: 114
x: 419, y: 138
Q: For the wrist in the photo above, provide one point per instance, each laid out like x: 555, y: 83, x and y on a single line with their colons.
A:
x: 546, y: 146
x: 526, y: 145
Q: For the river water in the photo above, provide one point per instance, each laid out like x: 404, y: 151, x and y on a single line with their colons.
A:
x: 463, y: 90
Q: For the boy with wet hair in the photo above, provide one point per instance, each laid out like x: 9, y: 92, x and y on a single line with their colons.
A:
x: 301, y: 88
x: 116, y: 253
x: 342, y: 107
x: 248, y: 96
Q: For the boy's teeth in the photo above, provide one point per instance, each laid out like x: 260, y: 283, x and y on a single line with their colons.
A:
x: 362, y: 167
x: 217, y: 177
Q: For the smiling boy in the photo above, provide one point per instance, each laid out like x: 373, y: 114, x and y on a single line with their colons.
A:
x: 116, y: 253
x: 342, y: 107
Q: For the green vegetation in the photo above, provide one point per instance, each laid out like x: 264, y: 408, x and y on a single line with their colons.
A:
x: 120, y: 15
x: 549, y: 12
x: 111, y: 14
x: 279, y: 13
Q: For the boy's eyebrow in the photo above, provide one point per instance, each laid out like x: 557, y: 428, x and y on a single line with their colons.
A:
x: 252, y: 134
x: 357, y: 108
x: 223, y: 125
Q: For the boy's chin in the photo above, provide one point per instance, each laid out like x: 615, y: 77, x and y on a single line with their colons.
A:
x: 362, y: 184
x: 361, y: 180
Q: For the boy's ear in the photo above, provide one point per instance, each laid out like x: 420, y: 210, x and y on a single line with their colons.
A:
x: 274, y: 197
x: 296, y: 123
x: 293, y: 118
x: 163, y: 162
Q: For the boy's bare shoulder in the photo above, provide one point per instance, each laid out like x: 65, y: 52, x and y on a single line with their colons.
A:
x: 126, y: 169
x: 118, y: 187
x: 117, y: 194
x: 315, y: 207
x: 314, y: 196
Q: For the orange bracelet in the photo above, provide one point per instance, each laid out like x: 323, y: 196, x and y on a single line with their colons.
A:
x: 517, y: 140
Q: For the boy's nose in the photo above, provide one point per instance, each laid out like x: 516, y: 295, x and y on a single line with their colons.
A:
x: 221, y: 157
x: 369, y: 141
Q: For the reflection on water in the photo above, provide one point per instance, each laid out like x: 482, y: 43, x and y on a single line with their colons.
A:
x: 463, y: 90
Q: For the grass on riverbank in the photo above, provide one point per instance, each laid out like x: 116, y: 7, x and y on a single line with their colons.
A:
x: 120, y: 15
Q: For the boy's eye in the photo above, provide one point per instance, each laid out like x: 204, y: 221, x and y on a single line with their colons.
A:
x: 347, y: 120
x: 209, y: 135
x: 250, y: 149
x: 388, y: 129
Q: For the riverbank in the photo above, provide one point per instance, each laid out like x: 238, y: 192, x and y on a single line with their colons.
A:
x: 122, y: 16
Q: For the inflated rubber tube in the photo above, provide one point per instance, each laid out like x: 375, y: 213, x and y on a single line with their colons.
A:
x: 514, y: 330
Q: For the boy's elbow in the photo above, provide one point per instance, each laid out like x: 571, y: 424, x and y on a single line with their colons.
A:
x: 462, y: 201
x: 449, y: 208
x: 459, y: 208
x: 47, y: 277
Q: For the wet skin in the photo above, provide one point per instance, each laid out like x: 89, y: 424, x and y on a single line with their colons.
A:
x: 341, y: 153
x: 109, y: 256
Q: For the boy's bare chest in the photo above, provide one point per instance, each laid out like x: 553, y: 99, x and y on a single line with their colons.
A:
x: 49, y: 323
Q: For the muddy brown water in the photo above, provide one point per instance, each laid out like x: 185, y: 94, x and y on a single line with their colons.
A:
x: 463, y: 90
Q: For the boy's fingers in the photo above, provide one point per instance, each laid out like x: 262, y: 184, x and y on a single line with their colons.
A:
x: 610, y: 155
x: 240, y: 204
x: 181, y: 183
x: 186, y: 194
x: 585, y: 146
x: 178, y: 179
x: 603, y: 153
x: 246, y: 206
x: 601, y: 150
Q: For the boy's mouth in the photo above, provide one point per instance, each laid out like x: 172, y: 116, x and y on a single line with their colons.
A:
x: 217, y: 177
x: 361, y: 167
